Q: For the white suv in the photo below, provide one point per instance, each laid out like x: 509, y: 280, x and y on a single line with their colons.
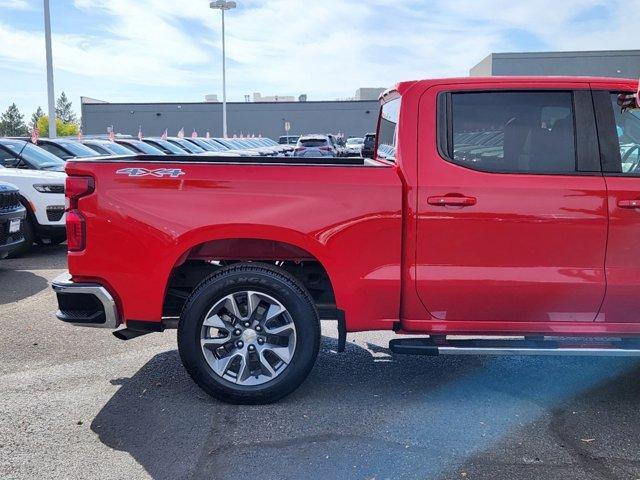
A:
x: 40, y: 177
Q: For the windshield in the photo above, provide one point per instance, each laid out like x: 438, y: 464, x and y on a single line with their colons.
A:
x: 202, y: 144
x: 145, y: 147
x: 35, y: 156
x: 115, y: 148
x: 193, y: 148
x: 355, y: 141
x: 77, y: 149
x: 168, y: 146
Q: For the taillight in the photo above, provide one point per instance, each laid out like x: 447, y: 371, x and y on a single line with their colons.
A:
x: 76, y: 231
x: 76, y: 188
x: 326, y: 149
x: 299, y: 149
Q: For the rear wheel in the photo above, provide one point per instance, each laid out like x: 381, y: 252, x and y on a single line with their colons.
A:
x: 249, y: 334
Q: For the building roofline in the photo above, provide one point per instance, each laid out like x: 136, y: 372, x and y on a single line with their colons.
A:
x: 564, y: 54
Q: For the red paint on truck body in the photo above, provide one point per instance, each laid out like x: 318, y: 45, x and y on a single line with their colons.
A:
x: 521, y: 254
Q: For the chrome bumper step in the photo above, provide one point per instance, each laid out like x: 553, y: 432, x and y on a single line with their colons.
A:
x: 517, y: 346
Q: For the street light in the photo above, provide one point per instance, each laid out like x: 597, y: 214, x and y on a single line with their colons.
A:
x: 50, y: 92
x: 223, y: 5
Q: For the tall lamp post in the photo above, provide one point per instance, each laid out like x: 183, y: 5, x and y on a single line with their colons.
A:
x: 223, y: 5
x: 50, y: 92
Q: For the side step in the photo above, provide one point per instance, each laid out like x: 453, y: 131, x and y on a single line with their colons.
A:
x: 517, y: 346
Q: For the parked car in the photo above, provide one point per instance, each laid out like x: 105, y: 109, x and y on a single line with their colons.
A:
x: 315, y: 146
x: 105, y: 147
x: 166, y: 146
x: 230, y: 146
x: 66, y: 148
x: 288, y: 139
x: 539, y: 239
x: 25, y: 155
x: 12, y: 217
x: 42, y: 194
x: 354, y: 145
x: 138, y: 146
x: 210, y: 149
x: 369, y: 145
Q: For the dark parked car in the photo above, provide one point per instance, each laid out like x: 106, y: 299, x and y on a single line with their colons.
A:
x: 369, y: 145
x: 105, y: 147
x: 166, y: 146
x: 26, y: 155
x: 12, y: 216
x: 65, y: 148
x: 138, y: 146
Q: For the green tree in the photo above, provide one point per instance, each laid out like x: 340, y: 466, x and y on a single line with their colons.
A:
x: 64, y: 111
x: 12, y: 123
x: 63, y: 129
x: 37, y: 115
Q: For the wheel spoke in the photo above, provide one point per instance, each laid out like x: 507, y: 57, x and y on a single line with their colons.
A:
x: 274, y: 311
x: 266, y: 365
x: 221, y: 365
x: 281, y: 352
x: 242, y: 372
x: 215, y: 341
x: 215, y: 321
x: 280, y: 329
x: 232, y: 306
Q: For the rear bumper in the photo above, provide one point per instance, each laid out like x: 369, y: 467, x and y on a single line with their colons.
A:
x: 85, y: 304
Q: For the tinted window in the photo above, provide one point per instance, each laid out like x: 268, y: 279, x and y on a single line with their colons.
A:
x: 512, y: 132
x: 313, y: 142
x: 57, y: 151
x: 77, y: 149
x: 628, y: 135
x: 388, y: 129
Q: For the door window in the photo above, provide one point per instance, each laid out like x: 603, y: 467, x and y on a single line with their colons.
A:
x: 627, y: 122
x: 512, y: 132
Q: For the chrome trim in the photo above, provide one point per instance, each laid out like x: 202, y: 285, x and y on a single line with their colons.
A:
x: 64, y: 284
x: 570, y: 351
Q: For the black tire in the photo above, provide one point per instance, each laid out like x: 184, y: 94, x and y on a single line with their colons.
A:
x: 261, y: 278
x: 29, y: 237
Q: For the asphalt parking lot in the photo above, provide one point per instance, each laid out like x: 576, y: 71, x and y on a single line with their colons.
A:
x: 78, y: 403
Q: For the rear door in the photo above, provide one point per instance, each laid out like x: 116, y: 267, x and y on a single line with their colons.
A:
x: 620, y: 143
x: 512, y: 216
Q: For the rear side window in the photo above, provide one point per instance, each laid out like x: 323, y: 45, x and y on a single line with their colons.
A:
x: 627, y: 134
x: 510, y: 132
x: 388, y: 129
x: 313, y: 142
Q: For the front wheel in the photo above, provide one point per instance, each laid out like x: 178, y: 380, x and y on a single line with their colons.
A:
x: 249, y: 334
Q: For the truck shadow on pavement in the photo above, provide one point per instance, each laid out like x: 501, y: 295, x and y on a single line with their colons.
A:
x: 365, y: 414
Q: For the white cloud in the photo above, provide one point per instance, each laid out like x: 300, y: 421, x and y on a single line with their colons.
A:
x: 324, y: 48
x: 16, y: 4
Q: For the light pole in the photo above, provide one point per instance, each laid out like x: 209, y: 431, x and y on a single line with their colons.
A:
x: 50, y: 92
x: 223, y: 5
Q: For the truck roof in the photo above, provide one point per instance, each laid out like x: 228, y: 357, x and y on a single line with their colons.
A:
x: 537, y: 80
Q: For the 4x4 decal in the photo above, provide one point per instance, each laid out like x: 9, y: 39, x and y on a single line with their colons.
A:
x: 143, y: 172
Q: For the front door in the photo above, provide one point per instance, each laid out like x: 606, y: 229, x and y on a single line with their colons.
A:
x: 512, y: 216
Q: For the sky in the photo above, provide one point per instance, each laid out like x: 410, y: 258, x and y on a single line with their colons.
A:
x: 164, y: 51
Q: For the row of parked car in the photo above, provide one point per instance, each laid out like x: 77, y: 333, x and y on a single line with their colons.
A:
x: 32, y: 177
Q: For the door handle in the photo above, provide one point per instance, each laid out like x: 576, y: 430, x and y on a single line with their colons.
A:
x: 451, y: 201
x: 629, y: 203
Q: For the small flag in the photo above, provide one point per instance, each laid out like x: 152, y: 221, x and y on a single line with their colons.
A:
x: 241, y: 136
x: 165, y: 134
x: 194, y: 134
x: 80, y: 135
x: 181, y: 133
x: 35, y: 134
x: 208, y: 134
x: 112, y: 135
x: 259, y: 135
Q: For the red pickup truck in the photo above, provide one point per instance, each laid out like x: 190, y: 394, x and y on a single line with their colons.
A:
x: 505, y: 208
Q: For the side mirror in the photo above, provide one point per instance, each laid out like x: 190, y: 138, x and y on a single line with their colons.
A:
x: 12, y: 162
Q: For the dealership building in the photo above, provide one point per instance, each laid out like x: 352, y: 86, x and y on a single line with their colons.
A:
x: 266, y: 116
x: 269, y: 115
